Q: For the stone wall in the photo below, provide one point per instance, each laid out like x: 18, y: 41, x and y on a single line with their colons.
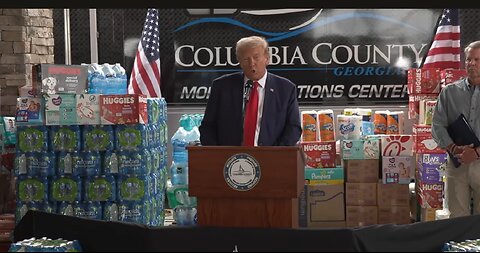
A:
x: 26, y: 38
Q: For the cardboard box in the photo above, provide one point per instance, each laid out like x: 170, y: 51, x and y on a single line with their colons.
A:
x: 397, y: 169
x: 449, y: 76
x: 423, y: 140
x: 430, y: 195
x: 360, y: 149
x: 358, y: 216
x: 324, y: 176
x: 426, y: 111
x: 60, y: 109
x: 362, y: 171
x: 361, y: 194
x: 9, y: 131
x: 423, y: 80
x: 30, y: 111
x: 302, y: 208
x: 88, y: 109
x: 320, y: 154
x: 393, y: 195
x: 325, y: 205
x: 429, y: 167
x: 397, y: 145
x: 394, y: 214
x: 414, y: 103
x: 55, y: 79
x: 428, y: 214
x: 424, y: 143
x: 123, y: 109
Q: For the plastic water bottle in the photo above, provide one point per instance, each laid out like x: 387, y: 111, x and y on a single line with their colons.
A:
x: 120, y: 79
x: 191, y: 125
x: 443, y: 213
x: 179, y: 143
x: 110, y: 78
x: 179, y: 173
x: 98, y: 79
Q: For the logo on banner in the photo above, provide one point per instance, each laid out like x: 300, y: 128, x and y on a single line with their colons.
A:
x: 242, y: 172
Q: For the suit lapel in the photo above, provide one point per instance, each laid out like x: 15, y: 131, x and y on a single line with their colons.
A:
x: 237, y: 97
x: 267, y: 108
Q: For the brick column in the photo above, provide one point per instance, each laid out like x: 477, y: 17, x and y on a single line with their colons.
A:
x: 26, y: 38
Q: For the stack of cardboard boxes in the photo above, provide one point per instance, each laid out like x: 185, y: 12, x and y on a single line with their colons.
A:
x: 361, y: 162
x: 322, y: 203
x: 424, y: 85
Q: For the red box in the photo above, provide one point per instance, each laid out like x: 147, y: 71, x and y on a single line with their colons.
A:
x: 424, y: 143
x: 123, y: 109
x: 422, y: 129
x: 414, y: 103
x: 320, y: 154
x: 430, y: 195
x: 451, y: 75
x: 423, y: 140
x: 421, y: 81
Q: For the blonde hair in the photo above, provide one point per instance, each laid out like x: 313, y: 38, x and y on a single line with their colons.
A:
x: 251, y: 42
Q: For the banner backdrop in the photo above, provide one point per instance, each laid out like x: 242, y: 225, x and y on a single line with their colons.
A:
x: 334, y: 56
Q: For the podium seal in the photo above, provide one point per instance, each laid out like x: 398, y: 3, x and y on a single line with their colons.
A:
x: 242, y: 172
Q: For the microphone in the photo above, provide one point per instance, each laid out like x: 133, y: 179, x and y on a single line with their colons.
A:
x: 246, y: 96
x: 248, y: 88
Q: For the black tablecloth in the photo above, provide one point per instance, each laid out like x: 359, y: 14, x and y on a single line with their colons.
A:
x: 119, y: 236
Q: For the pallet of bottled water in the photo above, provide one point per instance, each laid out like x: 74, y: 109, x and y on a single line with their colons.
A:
x: 465, y: 246
x: 45, y: 245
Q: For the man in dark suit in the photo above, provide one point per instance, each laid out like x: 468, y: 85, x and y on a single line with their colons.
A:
x: 272, y: 116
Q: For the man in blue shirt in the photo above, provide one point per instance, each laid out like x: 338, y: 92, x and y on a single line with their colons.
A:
x: 462, y: 96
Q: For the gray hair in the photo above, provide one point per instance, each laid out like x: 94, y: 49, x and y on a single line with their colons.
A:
x: 251, y: 42
x: 473, y: 45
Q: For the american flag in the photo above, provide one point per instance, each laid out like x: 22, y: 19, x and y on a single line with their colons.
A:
x: 445, y: 49
x: 145, y: 77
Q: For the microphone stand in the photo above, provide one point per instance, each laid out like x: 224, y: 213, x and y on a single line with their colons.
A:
x: 246, y: 96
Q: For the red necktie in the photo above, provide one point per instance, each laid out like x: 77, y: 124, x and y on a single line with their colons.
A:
x: 251, y: 112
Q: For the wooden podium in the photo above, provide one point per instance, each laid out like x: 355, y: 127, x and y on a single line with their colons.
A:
x: 272, y: 202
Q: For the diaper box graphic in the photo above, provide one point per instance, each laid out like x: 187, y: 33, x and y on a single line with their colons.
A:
x: 319, y: 154
x: 360, y: 149
x: 88, y: 109
x: 60, y: 109
x: 423, y: 81
x: 430, y: 166
x: 55, y: 79
x: 397, y: 169
x: 30, y: 111
x: 123, y: 109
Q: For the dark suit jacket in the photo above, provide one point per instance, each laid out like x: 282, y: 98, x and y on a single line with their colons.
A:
x: 222, y: 123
